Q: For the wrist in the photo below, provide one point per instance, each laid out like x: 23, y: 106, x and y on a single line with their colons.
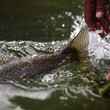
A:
x: 99, y: 14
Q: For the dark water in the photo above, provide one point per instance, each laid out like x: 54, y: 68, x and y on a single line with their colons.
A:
x: 49, y: 24
x: 46, y: 21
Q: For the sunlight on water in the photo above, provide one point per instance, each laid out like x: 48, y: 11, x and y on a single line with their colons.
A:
x: 77, y: 26
x: 8, y: 92
x: 13, y: 91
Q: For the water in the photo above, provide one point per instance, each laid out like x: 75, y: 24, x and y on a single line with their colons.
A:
x: 47, y: 30
x: 67, y: 87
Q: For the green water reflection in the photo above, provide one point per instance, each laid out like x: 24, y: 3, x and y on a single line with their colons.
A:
x: 51, y: 19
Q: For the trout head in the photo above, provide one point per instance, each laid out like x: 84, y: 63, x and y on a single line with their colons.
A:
x: 80, y: 44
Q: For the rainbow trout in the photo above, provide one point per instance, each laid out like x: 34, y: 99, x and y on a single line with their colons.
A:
x: 30, y: 67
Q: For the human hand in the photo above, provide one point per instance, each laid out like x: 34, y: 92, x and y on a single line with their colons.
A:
x: 99, y: 14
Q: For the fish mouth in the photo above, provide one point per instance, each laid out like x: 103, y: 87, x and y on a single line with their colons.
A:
x: 81, y: 40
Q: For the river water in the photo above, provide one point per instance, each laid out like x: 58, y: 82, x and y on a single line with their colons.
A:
x: 68, y: 87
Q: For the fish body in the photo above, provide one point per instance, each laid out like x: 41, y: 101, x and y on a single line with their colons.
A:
x: 30, y: 67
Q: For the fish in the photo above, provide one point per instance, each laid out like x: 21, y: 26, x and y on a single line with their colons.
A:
x: 81, y: 42
x: 27, y: 68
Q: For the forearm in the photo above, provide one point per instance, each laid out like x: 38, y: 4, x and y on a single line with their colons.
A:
x: 89, y: 11
x: 100, y: 5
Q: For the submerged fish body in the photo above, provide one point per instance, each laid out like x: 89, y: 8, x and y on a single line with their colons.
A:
x: 30, y: 67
